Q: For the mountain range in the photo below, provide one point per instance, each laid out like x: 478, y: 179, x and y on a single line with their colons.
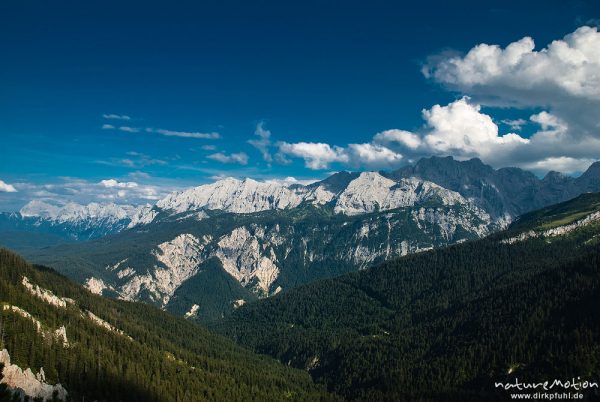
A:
x: 204, y: 252
x: 441, y: 325
x: 40, y: 223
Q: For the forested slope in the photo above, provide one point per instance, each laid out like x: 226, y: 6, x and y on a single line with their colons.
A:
x: 122, y: 351
x: 446, y: 324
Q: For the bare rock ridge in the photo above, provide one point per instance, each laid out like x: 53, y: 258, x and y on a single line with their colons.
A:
x: 503, y: 194
x: 366, y: 192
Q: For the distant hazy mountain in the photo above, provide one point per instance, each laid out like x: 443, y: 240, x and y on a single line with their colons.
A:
x: 222, y: 244
x: 40, y: 223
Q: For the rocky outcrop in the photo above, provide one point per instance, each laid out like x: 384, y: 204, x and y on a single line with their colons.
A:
x: 193, y: 312
x: 556, y: 231
x: 179, y: 260
x: 247, y: 259
x: 101, y: 323
x: 95, y: 285
x: 46, y: 295
x: 60, y: 334
x: 28, y: 383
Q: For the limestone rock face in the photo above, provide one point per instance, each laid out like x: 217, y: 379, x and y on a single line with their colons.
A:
x: 28, y: 383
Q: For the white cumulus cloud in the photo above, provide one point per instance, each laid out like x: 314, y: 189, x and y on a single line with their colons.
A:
x: 562, y: 79
x: 462, y: 129
x: 560, y: 164
x: 319, y: 156
x: 119, y: 184
x: 372, y: 156
x: 316, y: 155
x: 401, y: 137
x: 7, y: 188
x: 566, y: 67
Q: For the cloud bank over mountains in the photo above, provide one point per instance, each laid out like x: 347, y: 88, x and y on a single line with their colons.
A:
x: 553, y: 93
x: 559, y: 85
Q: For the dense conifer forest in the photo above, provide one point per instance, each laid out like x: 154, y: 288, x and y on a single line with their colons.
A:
x: 445, y: 324
x: 158, y: 357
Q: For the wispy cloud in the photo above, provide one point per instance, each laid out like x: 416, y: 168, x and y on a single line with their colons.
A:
x: 516, y: 124
x: 263, y: 144
x: 239, y: 158
x: 113, y: 116
x: 128, y: 129
x: 134, y: 159
x: 184, y: 134
x: 167, y: 133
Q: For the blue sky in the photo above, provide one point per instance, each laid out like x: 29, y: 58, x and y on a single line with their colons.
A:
x: 157, y: 96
